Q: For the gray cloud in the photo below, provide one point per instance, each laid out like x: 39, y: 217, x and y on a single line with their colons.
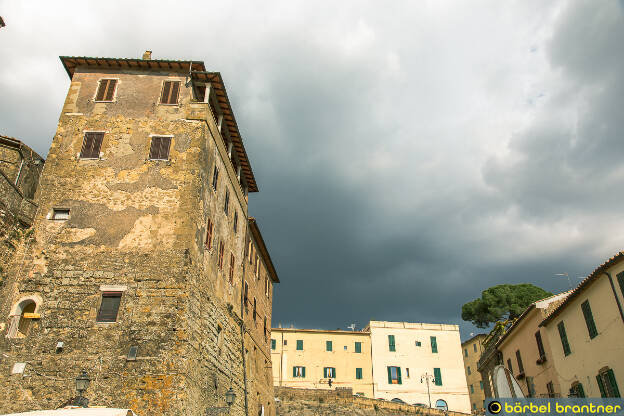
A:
x: 408, y: 157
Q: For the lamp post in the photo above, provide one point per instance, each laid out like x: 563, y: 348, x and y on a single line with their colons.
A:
x: 426, y: 377
x: 82, y: 383
x: 230, y: 396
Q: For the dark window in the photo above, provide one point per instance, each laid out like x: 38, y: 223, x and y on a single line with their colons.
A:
x: 589, y: 319
x: 200, y: 93
x: 109, y: 307
x: 509, y: 367
x: 254, y: 310
x: 620, y: 279
x: 273, y: 344
x: 246, y: 295
x: 474, y: 346
x: 437, y: 374
x: 235, y: 221
x: 159, y: 150
x: 265, y: 329
x: 299, y: 372
x: 607, y: 384
x: 391, y: 344
x: 550, y: 388
x: 221, y: 250
x: 471, y: 389
x: 300, y: 344
x: 226, y: 205
x: 530, y: 386
x: 576, y: 390
x: 358, y: 374
x: 329, y: 372
x: 540, y: 346
x: 519, y: 359
x: 215, y: 178
x: 394, y: 375
x: 91, y: 145
x: 434, y: 345
x: 564, y: 338
x: 60, y: 214
x: 468, y: 370
x: 358, y: 347
x: 285, y: 342
x: 170, y: 92
x: 106, y: 90
x: 418, y: 343
x: 465, y: 352
x: 328, y: 345
x: 231, y: 269
x: 208, y: 243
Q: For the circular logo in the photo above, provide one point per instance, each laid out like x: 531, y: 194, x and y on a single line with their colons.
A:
x: 495, y: 407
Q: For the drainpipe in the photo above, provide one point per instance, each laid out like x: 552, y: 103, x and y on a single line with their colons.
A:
x: 617, y: 300
x: 242, y: 310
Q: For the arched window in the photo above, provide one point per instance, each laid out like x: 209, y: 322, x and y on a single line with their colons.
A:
x: 441, y: 404
x: 24, y: 311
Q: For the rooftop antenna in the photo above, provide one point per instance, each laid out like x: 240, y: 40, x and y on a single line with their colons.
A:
x: 351, y: 327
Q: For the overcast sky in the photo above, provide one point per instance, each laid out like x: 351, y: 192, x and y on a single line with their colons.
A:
x: 409, y: 154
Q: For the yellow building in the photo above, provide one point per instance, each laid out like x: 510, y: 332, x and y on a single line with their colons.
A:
x: 472, y: 349
x: 310, y: 358
x: 586, y: 333
x: 419, y: 363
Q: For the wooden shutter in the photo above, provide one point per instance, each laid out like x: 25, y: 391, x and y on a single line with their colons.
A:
x: 519, y: 359
x: 328, y: 345
x: 325, y: 372
x: 333, y: 372
x: 399, y: 381
x: 300, y: 344
x: 601, y: 385
x: 294, y: 371
x: 389, y: 375
x: 109, y: 307
x: 437, y: 374
x: 589, y: 319
x: 303, y: 372
x: 580, y: 392
x: 391, y: 345
x: 358, y: 373
x: 358, y: 347
x: 564, y: 338
x: 434, y: 345
x: 170, y: 92
x: 159, y: 150
x: 91, y: 145
x: 106, y: 90
x: 273, y: 344
x: 540, y: 344
x: 208, y: 242
x: 509, y: 367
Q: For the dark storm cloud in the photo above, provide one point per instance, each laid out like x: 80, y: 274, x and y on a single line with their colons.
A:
x: 408, y: 157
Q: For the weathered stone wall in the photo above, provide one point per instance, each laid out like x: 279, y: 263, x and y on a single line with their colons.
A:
x: 342, y: 402
x: 140, y: 226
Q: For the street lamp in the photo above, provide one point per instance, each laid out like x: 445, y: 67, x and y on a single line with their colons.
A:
x: 230, y: 396
x: 82, y: 383
x: 426, y: 377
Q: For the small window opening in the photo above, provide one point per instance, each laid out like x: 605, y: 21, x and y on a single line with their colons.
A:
x: 109, y: 307
x: 159, y: 149
x: 61, y: 214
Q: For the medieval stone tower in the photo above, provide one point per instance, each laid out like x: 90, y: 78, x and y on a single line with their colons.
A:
x: 144, y: 268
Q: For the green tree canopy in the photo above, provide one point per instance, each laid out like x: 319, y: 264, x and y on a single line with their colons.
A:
x: 502, y: 301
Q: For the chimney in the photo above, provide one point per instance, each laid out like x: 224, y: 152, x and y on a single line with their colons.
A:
x: 147, y: 55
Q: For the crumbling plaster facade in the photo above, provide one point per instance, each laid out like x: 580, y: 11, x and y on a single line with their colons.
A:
x: 138, y: 226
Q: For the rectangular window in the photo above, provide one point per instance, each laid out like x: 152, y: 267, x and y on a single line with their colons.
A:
x: 109, y: 307
x: 407, y: 372
x: 530, y: 386
x: 246, y: 297
x: 607, y: 384
x: 329, y: 372
x: 481, y: 385
x: 60, y: 214
x: 589, y: 319
x: 576, y: 390
x: 437, y: 374
x: 474, y: 347
x: 209, y: 229
x: 235, y: 222
x: 394, y: 375
x: 620, y: 279
x: 299, y: 372
x: 285, y: 342
x: 468, y: 370
x: 328, y: 345
x: 257, y: 266
x: 418, y: 343
x: 106, y: 90
x: 226, y: 205
x: 519, y: 360
x: 232, y: 269
x: 91, y: 145
x: 254, y: 310
x: 300, y: 345
x: 358, y: 347
x: 474, y: 406
x: 564, y: 338
x: 358, y: 374
x: 540, y: 346
x: 434, y: 345
x: 170, y: 92
x: 550, y: 388
x: 159, y: 150
x: 391, y: 345
x: 215, y: 178
x: 221, y: 251
x: 509, y: 367
x: 273, y: 344
x: 471, y: 389
x: 465, y: 352
x: 265, y: 329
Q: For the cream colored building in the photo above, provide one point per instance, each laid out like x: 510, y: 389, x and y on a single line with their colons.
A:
x: 309, y: 358
x: 471, y: 350
x: 407, y: 355
x: 586, y: 334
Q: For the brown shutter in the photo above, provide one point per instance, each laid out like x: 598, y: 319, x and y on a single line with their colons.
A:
x: 91, y: 145
x: 164, y: 98
x: 159, y: 149
x: 101, y: 90
x: 173, y: 99
x: 111, y: 89
x: 109, y: 307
